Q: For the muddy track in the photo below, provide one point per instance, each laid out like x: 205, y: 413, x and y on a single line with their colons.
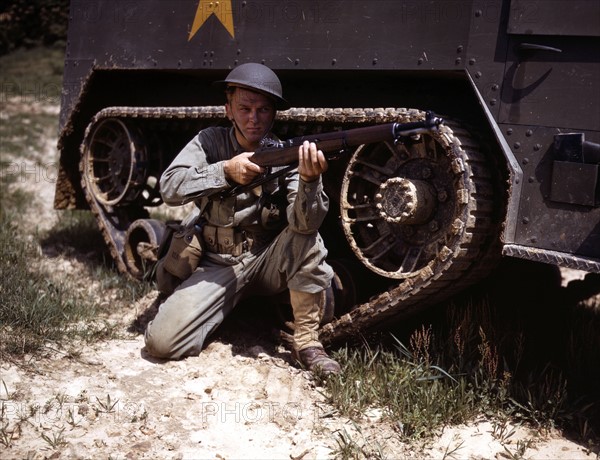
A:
x: 454, y: 255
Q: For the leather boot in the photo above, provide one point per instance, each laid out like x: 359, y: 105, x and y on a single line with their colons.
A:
x: 308, y: 350
x: 316, y: 360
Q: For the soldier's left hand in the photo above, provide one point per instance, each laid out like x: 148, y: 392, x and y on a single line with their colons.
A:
x: 311, y: 162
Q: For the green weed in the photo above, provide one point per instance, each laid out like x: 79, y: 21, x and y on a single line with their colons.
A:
x: 349, y: 448
x: 469, y: 359
x: 55, y: 439
x: 107, y: 406
x: 38, y: 310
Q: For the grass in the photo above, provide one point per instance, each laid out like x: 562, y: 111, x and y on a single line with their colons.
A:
x: 39, y: 310
x: 21, y: 137
x: 32, y: 74
x: 416, y: 398
x: 480, y: 356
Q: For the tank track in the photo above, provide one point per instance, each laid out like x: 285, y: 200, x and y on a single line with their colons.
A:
x: 472, y: 256
x: 456, y: 266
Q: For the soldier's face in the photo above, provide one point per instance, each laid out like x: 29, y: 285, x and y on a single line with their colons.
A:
x: 253, y: 113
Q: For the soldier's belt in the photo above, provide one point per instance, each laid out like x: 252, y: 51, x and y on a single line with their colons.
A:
x: 227, y: 240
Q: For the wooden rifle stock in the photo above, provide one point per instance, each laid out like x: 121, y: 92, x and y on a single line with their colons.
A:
x: 285, y: 153
x: 282, y: 153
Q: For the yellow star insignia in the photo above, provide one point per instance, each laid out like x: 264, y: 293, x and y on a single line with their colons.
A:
x: 220, y: 8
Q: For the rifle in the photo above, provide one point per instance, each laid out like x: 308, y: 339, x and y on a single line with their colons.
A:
x: 285, y: 153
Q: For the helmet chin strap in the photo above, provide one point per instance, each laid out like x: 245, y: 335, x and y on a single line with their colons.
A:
x: 236, y: 127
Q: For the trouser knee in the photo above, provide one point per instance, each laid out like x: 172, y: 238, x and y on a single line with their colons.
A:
x: 158, y: 346
x: 310, y: 272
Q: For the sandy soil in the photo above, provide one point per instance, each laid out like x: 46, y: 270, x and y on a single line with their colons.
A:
x: 228, y: 403
x: 241, y: 398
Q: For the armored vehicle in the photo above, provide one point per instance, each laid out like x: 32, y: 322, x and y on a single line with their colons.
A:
x: 512, y: 172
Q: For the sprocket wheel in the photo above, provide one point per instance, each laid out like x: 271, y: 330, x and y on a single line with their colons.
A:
x: 420, y: 211
x: 405, y: 205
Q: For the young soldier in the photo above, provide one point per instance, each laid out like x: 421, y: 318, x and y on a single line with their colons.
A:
x: 246, y: 252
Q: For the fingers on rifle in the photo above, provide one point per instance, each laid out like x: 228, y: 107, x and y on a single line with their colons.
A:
x: 312, y: 161
x: 255, y: 168
x: 307, y: 152
x: 322, y: 161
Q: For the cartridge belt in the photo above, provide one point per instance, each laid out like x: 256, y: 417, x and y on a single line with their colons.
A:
x: 227, y: 240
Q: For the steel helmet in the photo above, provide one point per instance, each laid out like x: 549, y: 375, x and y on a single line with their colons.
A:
x: 257, y: 77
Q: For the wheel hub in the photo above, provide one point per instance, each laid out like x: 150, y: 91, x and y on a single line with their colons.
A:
x: 399, y: 205
x: 404, y: 201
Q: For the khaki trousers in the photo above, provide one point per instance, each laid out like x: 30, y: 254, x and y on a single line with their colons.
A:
x: 200, y: 304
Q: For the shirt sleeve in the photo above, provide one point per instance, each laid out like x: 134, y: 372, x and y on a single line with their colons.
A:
x: 308, y: 204
x: 191, y: 175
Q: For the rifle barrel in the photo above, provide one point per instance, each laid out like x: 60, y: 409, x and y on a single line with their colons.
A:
x: 286, y: 153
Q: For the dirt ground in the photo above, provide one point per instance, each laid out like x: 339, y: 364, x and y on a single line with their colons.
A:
x: 230, y: 402
x: 241, y: 398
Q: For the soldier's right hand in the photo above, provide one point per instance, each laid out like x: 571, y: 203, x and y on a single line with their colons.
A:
x: 240, y: 169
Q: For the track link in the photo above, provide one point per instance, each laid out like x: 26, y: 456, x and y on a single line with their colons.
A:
x: 454, y: 266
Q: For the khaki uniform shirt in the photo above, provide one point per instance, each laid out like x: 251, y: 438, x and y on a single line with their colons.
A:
x: 197, y: 174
